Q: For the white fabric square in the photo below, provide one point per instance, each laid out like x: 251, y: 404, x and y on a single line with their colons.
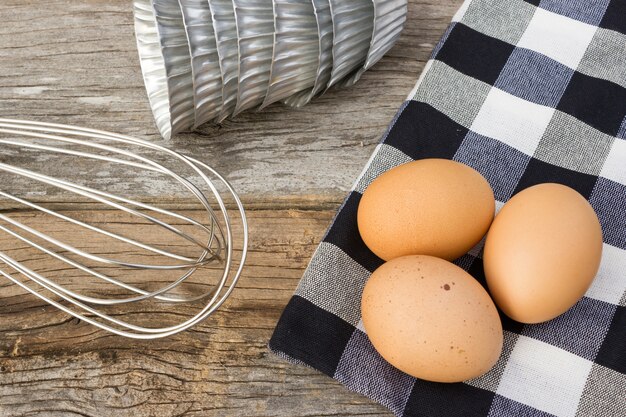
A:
x: 558, y: 37
x: 512, y: 120
x: 544, y: 377
x: 614, y: 167
x: 610, y: 282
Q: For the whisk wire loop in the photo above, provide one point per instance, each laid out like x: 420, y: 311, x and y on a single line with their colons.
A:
x: 218, y: 251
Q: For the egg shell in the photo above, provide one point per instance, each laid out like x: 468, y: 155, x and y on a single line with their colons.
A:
x: 542, y: 252
x: 432, y: 207
x: 431, y: 319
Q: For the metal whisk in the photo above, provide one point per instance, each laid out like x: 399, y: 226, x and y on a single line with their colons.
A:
x: 100, y: 270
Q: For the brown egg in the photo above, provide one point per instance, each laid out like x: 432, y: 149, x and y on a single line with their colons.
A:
x: 542, y: 252
x: 428, y: 207
x: 431, y: 319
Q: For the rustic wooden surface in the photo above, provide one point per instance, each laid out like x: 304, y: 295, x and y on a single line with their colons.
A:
x: 74, y: 61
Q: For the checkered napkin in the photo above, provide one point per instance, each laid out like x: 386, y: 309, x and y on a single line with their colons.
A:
x: 525, y: 92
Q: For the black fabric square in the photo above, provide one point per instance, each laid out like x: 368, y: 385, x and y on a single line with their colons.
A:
x: 421, y: 131
x: 432, y: 399
x: 475, y: 54
x: 615, y: 16
x: 597, y: 102
x: 538, y: 172
x: 477, y: 271
x: 533, y: 2
x: 312, y: 335
x: 344, y: 233
x: 612, y: 353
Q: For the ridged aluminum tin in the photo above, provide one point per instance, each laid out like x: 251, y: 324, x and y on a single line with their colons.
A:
x: 324, y: 24
x: 152, y: 65
x: 206, y: 60
x: 255, y: 29
x: 205, y: 66
x: 353, y: 24
x: 296, y: 49
x: 389, y: 19
x: 225, y: 26
x: 390, y: 16
x: 175, y: 50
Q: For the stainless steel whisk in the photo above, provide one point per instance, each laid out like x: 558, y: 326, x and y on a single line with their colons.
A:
x: 213, y: 239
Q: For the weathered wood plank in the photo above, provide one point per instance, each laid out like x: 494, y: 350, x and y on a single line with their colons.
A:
x: 76, y: 62
x: 51, y: 364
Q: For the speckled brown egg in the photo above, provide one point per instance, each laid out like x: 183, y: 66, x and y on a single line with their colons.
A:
x: 431, y: 319
x: 431, y: 207
x: 542, y: 252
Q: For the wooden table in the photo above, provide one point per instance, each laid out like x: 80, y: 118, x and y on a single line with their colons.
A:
x: 75, y: 62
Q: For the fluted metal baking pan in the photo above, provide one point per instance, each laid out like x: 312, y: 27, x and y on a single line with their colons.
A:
x: 255, y: 30
x: 390, y: 16
x: 296, y: 49
x: 152, y: 65
x: 389, y: 19
x: 205, y: 66
x: 324, y: 68
x: 225, y: 26
x: 165, y: 63
x: 257, y: 52
x: 353, y: 24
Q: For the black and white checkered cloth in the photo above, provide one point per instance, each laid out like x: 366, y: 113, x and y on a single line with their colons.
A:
x: 525, y: 92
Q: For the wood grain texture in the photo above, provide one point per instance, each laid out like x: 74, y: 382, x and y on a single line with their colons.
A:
x: 75, y: 62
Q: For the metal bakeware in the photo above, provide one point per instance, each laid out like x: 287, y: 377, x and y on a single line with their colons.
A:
x: 206, y: 60
x: 152, y: 65
x: 175, y: 50
x: 324, y: 23
x: 225, y: 26
x: 296, y: 49
x: 389, y: 18
x: 353, y: 24
x: 205, y: 66
x: 255, y: 30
